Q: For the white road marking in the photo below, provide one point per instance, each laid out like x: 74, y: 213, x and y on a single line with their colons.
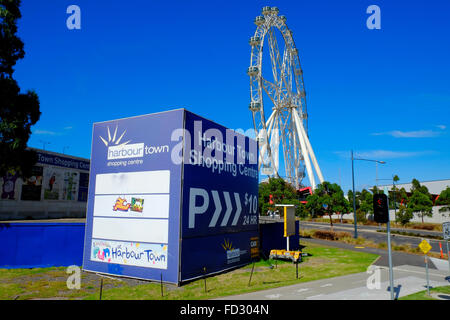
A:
x: 273, y: 296
x: 412, y: 271
x: 302, y: 290
x: 326, y: 285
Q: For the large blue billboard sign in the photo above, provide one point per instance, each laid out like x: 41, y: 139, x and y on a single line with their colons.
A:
x: 171, y: 195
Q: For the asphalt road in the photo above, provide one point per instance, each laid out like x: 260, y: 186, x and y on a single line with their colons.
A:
x: 370, y: 233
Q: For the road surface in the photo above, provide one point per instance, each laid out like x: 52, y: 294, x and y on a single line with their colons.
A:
x: 370, y: 233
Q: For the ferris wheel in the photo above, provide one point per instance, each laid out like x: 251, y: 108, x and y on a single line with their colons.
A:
x: 277, y: 91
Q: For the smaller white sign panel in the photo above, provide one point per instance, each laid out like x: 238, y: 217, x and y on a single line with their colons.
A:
x: 130, y: 206
x: 130, y: 253
x: 142, y: 182
x: 133, y: 230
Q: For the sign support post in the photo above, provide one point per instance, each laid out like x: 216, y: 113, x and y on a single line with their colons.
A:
x: 289, y: 221
x: 428, y: 278
x: 425, y: 247
x: 287, y: 238
x: 446, y: 232
x: 448, y: 256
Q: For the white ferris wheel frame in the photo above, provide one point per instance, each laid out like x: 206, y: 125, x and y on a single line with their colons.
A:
x: 288, y: 121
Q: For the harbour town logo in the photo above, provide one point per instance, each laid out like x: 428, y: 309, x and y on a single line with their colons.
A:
x: 130, y: 253
x: 117, y: 149
x: 121, y: 150
x: 112, y: 140
x: 233, y: 254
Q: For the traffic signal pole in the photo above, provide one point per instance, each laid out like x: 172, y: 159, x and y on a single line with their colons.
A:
x: 381, y: 215
x: 391, y: 271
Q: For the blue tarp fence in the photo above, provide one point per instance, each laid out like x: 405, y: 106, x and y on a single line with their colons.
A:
x: 40, y: 245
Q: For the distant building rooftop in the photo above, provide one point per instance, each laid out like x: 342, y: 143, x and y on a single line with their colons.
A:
x: 435, y: 187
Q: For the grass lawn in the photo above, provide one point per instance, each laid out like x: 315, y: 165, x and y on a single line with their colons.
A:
x: 422, y: 295
x: 324, y: 262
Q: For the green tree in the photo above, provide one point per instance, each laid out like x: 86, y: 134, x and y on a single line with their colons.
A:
x: 394, y: 193
x: 350, y: 198
x: 278, y: 191
x: 18, y: 111
x: 420, y: 201
x: 328, y: 199
x: 444, y: 200
x: 375, y: 190
x: 403, y: 196
x: 417, y: 186
x: 366, y: 201
x: 404, y: 215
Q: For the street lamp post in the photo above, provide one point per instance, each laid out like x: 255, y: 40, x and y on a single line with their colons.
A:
x: 353, y: 185
x: 354, y: 201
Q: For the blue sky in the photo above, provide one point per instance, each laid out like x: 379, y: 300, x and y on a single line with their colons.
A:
x: 383, y: 93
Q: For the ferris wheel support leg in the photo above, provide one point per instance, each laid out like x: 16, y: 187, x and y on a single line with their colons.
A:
x: 270, y: 122
x: 304, y: 151
x: 275, y: 144
x: 310, y: 150
x: 269, y: 125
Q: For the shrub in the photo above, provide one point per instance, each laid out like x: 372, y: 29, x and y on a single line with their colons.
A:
x: 343, y: 234
x: 361, y: 216
x: 382, y: 245
x: 424, y: 226
x: 403, y: 215
x: 327, y: 235
x: 401, y: 247
x: 330, y: 235
x: 306, y: 233
x: 371, y: 223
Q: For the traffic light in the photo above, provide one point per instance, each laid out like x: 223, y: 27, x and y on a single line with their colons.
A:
x: 380, y: 208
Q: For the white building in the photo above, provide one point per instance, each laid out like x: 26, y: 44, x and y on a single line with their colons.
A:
x: 58, y: 188
x: 435, y: 187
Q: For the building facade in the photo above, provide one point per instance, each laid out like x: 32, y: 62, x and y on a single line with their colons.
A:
x: 58, y: 188
x: 435, y: 187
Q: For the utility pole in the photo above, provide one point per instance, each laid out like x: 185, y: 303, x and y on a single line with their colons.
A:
x: 354, y: 200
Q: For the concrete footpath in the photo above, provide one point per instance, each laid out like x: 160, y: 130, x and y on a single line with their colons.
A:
x: 409, y: 278
x: 358, y: 286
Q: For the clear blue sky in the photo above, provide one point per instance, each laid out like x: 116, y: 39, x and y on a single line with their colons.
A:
x: 383, y: 93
